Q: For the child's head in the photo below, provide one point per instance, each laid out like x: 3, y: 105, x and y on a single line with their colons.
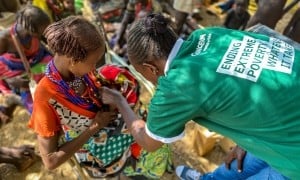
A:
x: 77, y: 39
x: 33, y: 20
x: 241, y: 6
x: 150, y: 39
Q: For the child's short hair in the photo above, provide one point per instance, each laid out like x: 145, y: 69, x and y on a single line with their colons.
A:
x: 31, y: 18
x: 74, y: 37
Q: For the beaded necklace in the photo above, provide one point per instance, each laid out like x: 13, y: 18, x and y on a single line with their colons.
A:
x: 76, y: 84
x: 89, y: 101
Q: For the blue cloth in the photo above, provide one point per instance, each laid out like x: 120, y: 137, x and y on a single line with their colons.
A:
x: 27, y: 100
x: 253, y: 169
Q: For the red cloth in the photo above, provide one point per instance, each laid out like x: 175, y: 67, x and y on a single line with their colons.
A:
x: 135, y: 150
x: 121, y: 79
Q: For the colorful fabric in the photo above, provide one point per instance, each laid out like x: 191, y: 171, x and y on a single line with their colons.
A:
x: 70, y: 95
x: 109, y: 149
x: 119, y: 78
x: 11, y: 66
x: 54, y: 111
x: 152, y: 165
x: 242, y: 85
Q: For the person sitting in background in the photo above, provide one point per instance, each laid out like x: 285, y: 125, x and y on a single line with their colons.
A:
x: 238, y: 16
x: 181, y: 12
x: 28, y: 28
x: 135, y: 9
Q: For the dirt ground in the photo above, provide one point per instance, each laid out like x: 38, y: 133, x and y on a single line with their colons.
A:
x: 187, y: 151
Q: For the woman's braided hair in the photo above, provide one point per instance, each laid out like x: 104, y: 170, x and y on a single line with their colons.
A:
x: 31, y: 18
x: 150, y: 38
x: 74, y: 37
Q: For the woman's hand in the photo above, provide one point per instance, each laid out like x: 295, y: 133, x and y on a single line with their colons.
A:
x: 101, y: 120
x: 111, y: 96
x: 235, y: 153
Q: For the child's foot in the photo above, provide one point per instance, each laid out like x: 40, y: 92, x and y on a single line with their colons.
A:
x: 186, y: 173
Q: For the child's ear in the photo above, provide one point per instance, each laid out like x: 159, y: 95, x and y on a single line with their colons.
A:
x: 152, y: 68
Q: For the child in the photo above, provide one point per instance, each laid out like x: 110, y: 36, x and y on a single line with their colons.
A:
x: 67, y: 100
x: 30, y: 23
x: 134, y: 10
x: 238, y: 16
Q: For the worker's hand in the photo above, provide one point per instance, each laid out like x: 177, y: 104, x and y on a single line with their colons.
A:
x: 238, y: 154
x: 111, y: 96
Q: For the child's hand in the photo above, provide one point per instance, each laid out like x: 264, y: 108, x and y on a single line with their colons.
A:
x: 101, y: 120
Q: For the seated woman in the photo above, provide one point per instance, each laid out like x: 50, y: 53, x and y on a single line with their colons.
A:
x: 67, y: 101
x: 28, y: 28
